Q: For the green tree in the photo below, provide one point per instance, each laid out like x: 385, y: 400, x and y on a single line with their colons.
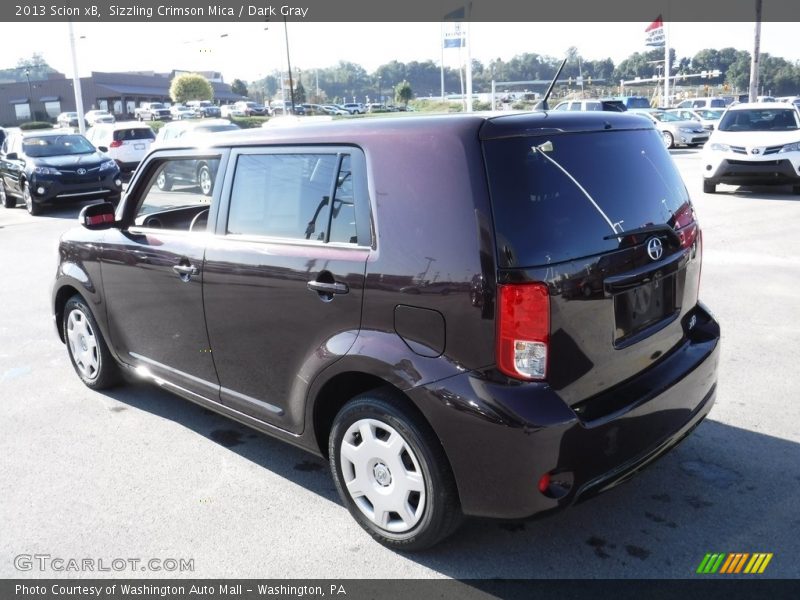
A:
x: 239, y: 87
x: 190, y: 86
x: 403, y: 92
x: 299, y: 93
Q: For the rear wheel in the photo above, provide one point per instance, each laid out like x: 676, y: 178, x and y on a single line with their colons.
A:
x: 709, y: 187
x: 86, y: 347
x: 669, y: 141
x: 205, y: 180
x: 7, y: 200
x: 33, y: 208
x: 392, y: 474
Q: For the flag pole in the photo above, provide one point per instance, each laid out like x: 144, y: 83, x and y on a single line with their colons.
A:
x: 441, y: 45
x: 666, y: 64
x: 469, y: 59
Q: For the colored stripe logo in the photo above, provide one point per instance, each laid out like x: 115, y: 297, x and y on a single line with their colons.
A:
x: 734, y: 562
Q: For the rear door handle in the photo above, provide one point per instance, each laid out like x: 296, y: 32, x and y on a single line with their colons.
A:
x: 185, y: 272
x: 328, y: 288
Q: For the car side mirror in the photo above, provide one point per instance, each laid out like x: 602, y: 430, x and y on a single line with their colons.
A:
x: 97, y: 216
x: 103, y: 148
x: 12, y: 156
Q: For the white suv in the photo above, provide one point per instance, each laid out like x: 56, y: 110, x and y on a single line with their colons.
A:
x: 126, y: 142
x: 754, y: 144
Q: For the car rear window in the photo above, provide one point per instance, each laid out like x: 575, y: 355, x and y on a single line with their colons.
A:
x: 134, y: 133
x: 637, y: 102
x: 556, y: 205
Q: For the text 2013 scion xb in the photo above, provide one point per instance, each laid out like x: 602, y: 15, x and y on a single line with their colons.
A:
x: 489, y: 316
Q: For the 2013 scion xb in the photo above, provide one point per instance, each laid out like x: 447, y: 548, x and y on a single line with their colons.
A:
x: 493, y: 316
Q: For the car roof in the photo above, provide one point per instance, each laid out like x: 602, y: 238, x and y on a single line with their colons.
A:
x: 45, y: 133
x: 763, y: 105
x: 490, y: 125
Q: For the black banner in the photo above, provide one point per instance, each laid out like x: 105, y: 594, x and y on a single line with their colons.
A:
x: 408, y: 10
x: 396, y: 589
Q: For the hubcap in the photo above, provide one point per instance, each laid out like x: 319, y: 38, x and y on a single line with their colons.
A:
x: 205, y: 181
x: 382, y: 475
x: 83, y: 344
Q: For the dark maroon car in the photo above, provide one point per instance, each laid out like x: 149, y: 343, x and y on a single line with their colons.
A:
x: 466, y: 315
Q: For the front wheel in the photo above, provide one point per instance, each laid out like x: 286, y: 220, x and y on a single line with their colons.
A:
x: 709, y: 187
x: 33, y: 208
x: 669, y: 141
x: 86, y: 347
x: 392, y: 474
x: 163, y: 182
x: 7, y: 200
x: 205, y: 180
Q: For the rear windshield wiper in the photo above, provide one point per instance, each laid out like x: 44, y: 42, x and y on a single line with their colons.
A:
x: 671, y: 233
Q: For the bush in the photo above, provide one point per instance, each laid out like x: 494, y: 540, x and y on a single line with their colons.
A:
x: 249, y: 122
x: 35, y: 125
x: 478, y: 105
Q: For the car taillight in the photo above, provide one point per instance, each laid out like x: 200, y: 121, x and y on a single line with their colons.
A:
x: 523, y: 330
x: 116, y: 144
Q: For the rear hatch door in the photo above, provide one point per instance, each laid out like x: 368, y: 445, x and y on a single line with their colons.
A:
x: 593, y: 206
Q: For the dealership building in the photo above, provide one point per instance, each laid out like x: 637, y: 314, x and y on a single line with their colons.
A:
x: 118, y: 93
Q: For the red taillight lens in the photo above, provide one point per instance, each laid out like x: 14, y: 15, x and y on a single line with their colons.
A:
x: 116, y: 144
x: 523, y: 330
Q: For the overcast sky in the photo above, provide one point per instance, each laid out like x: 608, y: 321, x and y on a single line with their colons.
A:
x: 248, y: 51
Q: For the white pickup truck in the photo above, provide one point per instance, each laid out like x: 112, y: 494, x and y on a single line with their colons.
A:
x: 152, y: 111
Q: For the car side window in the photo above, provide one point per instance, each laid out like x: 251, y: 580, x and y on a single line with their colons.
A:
x: 179, y: 195
x: 288, y: 196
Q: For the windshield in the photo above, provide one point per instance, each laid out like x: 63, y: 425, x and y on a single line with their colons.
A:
x: 56, y: 145
x: 542, y: 216
x: 760, y: 119
x: 665, y: 116
x: 710, y: 113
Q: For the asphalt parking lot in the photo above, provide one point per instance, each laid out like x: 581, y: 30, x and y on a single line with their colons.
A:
x: 136, y: 473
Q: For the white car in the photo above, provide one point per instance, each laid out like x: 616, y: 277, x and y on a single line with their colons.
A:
x: 93, y: 117
x: 127, y: 142
x: 178, y: 112
x: 754, y: 144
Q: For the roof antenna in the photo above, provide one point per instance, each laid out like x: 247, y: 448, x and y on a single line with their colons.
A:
x: 542, y: 104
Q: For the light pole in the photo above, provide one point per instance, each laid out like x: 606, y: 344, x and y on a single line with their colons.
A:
x: 30, y: 93
x: 380, y: 98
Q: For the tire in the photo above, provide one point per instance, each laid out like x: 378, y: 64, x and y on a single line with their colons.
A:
x: 7, y: 200
x: 33, y: 208
x: 86, y: 347
x: 205, y: 180
x: 669, y: 141
x: 709, y: 187
x: 392, y: 474
x: 163, y: 181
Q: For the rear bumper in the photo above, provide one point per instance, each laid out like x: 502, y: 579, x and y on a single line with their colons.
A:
x: 501, y: 438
